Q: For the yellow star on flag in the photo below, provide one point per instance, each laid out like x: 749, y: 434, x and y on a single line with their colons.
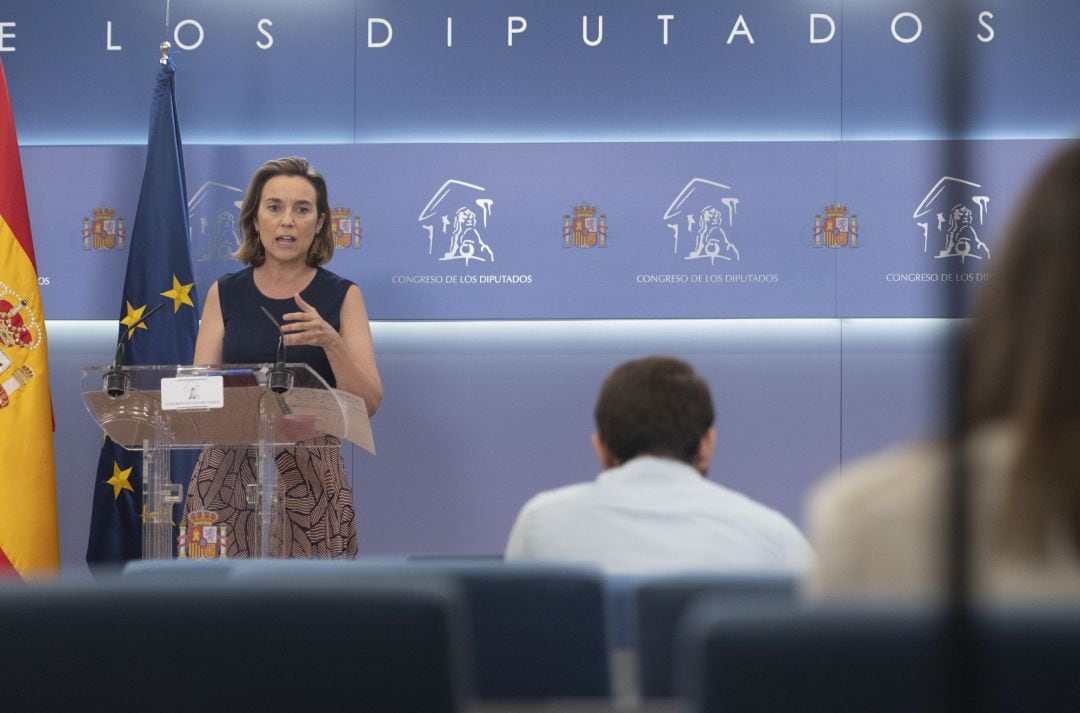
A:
x: 131, y: 319
x: 119, y: 480
x: 179, y: 294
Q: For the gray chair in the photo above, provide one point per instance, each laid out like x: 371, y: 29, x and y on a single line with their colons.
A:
x: 533, y: 631
x: 537, y: 631
x: 1027, y: 659
x: 840, y: 658
x: 267, y: 648
x: 660, y: 602
x: 622, y: 592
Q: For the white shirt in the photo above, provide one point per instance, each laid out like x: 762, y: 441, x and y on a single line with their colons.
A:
x: 653, y: 515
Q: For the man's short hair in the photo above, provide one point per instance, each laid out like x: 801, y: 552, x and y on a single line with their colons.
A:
x: 653, y: 406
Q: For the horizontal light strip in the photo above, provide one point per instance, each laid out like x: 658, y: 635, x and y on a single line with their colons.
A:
x: 674, y: 336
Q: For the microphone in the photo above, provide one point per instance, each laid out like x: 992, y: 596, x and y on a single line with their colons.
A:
x: 279, y: 379
x: 116, y: 381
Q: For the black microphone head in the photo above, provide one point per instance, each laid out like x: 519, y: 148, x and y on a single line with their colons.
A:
x: 117, y: 382
x: 279, y: 379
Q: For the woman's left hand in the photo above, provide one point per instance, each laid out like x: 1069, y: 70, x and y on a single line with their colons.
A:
x: 307, y: 327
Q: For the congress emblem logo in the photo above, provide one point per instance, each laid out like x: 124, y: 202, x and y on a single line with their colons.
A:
x: 345, y: 227
x: 457, y: 218
x: 214, y: 216
x: 585, y: 229
x: 698, y: 214
x: 103, y: 230
x: 837, y: 230
x: 950, y: 216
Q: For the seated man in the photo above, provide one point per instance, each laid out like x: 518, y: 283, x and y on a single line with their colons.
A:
x: 652, y: 509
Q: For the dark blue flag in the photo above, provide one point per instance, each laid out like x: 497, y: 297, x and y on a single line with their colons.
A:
x: 158, y: 271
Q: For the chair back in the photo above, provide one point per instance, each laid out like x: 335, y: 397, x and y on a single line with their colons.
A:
x: 185, y: 648
x: 533, y: 631
x: 840, y: 658
x: 661, y: 601
x: 1026, y: 659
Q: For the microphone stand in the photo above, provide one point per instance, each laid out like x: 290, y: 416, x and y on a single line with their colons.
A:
x: 117, y: 381
x: 279, y: 379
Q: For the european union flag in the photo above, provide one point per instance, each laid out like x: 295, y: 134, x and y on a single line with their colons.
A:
x: 158, y: 271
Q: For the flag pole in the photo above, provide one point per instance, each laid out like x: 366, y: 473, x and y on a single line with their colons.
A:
x: 165, y: 46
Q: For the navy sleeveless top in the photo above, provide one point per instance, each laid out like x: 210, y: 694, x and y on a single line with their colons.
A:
x: 251, y: 338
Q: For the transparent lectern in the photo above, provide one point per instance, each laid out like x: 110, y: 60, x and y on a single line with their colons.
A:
x: 156, y: 409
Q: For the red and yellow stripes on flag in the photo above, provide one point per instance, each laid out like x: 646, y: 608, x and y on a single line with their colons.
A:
x: 29, y: 544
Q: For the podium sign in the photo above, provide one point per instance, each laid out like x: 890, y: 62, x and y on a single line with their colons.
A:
x: 156, y: 409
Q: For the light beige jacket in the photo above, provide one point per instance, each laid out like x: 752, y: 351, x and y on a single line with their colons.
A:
x: 878, y: 528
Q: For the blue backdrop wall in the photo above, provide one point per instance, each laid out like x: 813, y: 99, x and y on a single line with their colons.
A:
x: 529, y: 194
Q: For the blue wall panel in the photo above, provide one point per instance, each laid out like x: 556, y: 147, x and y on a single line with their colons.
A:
x: 654, y: 252
x: 279, y: 71
x: 479, y: 415
x: 1015, y: 54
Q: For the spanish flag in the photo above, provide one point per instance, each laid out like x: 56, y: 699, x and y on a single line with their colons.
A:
x: 29, y: 544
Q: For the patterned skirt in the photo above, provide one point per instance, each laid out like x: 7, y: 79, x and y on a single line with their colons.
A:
x: 318, y: 520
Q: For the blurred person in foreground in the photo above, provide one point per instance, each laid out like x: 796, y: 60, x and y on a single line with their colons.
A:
x: 651, y: 509
x: 285, y: 221
x: 879, y: 526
